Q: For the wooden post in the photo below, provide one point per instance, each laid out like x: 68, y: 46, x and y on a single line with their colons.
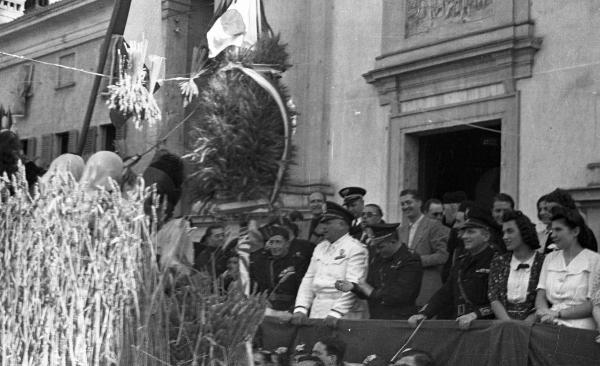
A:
x: 117, y: 23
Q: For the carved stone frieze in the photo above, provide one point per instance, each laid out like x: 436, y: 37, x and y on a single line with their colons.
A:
x: 424, y: 15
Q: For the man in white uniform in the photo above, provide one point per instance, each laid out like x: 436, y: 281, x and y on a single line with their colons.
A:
x: 339, y: 256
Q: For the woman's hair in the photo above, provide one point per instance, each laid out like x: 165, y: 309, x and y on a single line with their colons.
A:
x: 525, y: 226
x: 561, y: 197
x: 10, y: 145
x: 573, y: 219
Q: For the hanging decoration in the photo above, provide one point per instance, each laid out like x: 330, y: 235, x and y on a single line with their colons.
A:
x: 132, y: 95
x: 241, y: 135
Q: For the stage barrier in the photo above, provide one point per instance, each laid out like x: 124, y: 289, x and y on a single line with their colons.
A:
x: 488, y: 342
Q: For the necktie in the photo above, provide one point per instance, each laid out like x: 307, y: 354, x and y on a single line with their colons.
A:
x: 522, y: 266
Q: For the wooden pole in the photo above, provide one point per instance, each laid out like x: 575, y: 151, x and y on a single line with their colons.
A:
x: 117, y: 23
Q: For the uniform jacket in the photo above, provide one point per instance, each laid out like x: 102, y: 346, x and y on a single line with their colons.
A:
x: 280, y: 277
x: 396, y: 281
x: 430, y: 242
x: 473, y: 273
x: 345, y: 259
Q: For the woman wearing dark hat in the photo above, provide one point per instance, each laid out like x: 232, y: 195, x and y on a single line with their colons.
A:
x: 566, y: 280
x: 515, y: 274
x: 464, y: 296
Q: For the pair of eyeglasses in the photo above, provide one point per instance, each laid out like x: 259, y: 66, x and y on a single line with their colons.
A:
x: 368, y: 214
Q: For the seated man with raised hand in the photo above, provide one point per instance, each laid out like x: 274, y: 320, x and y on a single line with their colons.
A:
x: 279, y: 271
x: 394, y: 277
x: 465, y: 292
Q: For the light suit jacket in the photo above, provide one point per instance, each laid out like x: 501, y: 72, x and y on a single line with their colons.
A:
x: 430, y: 242
x: 345, y: 259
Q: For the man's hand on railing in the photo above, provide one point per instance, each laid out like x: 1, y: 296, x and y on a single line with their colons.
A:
x: 331, y: 321
x: 464, y: 321
x: 299, y: 318
x: 416, y: 319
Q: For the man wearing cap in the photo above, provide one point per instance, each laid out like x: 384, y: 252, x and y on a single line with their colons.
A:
x: 426, y: 237
x: 394, y: 277
x: 279, y: 271
x: 338, y: 257
x: 451, y: 201
x: 465, y: 292
x: 355, y: 203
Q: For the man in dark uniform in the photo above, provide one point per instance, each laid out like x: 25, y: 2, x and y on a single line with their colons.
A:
x: 355, y: 203
x: 465, y: 292
x: 279, y: 271
x: 394, y: 277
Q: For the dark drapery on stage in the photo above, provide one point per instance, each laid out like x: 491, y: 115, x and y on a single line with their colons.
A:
x: 486, y: 343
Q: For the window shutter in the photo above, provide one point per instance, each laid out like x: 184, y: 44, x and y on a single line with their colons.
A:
x: 31, y: 148
x: 73, y: 141
x: 47, y: 148
x: 24, y: 89
x: 90, y: 141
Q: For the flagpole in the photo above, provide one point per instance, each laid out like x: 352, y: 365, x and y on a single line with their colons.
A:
x: 117, y: 23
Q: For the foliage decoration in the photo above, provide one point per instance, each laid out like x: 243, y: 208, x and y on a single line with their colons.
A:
x: 239, y: 137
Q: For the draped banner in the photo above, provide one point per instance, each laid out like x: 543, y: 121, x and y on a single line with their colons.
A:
x: 487, y: 343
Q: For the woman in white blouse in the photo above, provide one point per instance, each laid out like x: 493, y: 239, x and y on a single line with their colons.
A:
x: 565, y: 286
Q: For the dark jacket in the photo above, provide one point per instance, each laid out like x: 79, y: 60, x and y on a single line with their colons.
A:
x: 209, y: 258
x: 396, y: 281
x: 466, y: 290
x: 280, y: 277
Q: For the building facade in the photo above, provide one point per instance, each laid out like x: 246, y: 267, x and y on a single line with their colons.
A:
x: 438, y: 95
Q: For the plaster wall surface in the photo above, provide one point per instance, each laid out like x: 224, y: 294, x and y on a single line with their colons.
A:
x: 52, y: 108
x: 342, y: 135
x: 559, y: 105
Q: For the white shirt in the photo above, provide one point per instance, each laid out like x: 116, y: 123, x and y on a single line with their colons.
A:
x: 572, y: 284
x: 518, y: 280
x: 412, y: 230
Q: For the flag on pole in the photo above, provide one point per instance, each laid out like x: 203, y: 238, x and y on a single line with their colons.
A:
x: 238, y: 26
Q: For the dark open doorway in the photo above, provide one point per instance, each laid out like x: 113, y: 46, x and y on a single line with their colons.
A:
x: 467, y: 159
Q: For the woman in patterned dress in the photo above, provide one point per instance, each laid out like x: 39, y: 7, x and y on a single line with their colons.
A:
x: 514, y: 275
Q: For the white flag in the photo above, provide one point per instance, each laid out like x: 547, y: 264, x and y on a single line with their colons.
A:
x: 238, y: 26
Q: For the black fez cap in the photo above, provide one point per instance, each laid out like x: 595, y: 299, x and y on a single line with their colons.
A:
x: 480, y: 218
x: 166, y: 170
x: 350, y: 194
x: 383, y: 231
x: 278, y: 230
x: 335, y: 211
x: 454, y: 197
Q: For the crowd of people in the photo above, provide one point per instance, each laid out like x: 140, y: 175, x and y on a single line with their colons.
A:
x: 449, y: 259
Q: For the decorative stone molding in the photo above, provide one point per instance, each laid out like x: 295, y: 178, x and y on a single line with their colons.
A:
x: 501, y: 57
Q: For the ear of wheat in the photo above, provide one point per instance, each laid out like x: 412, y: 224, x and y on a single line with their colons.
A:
x: 80, y: 285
